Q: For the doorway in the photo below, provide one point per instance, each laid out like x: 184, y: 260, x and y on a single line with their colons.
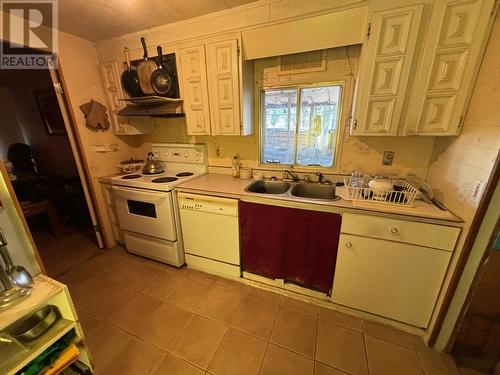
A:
x: 43, y: 169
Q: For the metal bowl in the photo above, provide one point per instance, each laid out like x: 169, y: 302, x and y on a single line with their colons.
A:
x: 34, y: 325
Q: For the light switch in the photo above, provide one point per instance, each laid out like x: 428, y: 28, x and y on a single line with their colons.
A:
x: 388, y: 158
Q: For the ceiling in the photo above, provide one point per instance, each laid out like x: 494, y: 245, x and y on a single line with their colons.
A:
x: 102, y: 19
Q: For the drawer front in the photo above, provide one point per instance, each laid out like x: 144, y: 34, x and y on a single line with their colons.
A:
x: 390, y: 279
x: 430, y: 235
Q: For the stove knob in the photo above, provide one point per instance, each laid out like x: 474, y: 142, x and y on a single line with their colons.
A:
x: 186, y: 154
x: 198, y: 155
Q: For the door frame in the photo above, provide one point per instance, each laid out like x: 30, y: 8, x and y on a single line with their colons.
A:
x: 77, y: 149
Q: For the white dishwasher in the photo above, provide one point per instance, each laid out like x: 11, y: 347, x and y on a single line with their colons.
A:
x: 210, y: 233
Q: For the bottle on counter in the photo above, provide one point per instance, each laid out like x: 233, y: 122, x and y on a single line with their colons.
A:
x: 236, y: 166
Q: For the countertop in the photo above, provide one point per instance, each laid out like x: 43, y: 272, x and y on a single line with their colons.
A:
x: 228, y: 186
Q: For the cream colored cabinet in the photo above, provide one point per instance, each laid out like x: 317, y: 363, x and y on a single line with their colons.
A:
x: 111, y: 74
x: 107, y: 192
x: 217, y: 88
x: 386, y: 62
x: 392, y: 268
x: 194, y: 75
x: 223, y: 82
x: 452, y: 53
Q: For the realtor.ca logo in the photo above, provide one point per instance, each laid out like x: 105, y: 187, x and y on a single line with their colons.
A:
x: 29, y: 34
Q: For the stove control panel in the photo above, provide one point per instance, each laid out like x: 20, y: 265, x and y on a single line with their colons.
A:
x: 181, y: 153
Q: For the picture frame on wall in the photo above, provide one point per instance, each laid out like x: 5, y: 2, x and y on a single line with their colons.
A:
x: 50, y: 112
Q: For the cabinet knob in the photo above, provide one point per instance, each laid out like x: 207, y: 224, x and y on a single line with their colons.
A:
x: 394, y: 230
x: 348, y: 244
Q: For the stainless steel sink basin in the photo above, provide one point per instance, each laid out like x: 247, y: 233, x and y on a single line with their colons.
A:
x: 268, y: 187
x: 314, y: 191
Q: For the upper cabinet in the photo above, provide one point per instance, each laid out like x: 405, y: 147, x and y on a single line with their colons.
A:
x: 451, y: 58
x: 417, y: 80
x: 110, y: 73
x: 384, y: 70
x: 215, y: 88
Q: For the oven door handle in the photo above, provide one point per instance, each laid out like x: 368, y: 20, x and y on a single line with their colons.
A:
x: 136, y: 194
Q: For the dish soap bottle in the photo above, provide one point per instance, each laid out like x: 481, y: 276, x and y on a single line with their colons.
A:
x: 236, y: 166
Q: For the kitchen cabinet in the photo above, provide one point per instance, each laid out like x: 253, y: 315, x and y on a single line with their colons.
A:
x: 217, y: 87
x: 298, y: 246
x: 111, y: 74
x: 385, y: 69
x: 107, y: 192
x: 441, y: 45
x: 392, y: 268
x: 452, y: 54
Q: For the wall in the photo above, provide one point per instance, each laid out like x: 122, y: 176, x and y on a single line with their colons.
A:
x: 458, y: 162
x: 52, y: 152
x: 412, y: 154
x: 10, y: 129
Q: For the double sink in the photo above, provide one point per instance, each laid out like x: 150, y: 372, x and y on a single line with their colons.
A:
x: 309, y: 190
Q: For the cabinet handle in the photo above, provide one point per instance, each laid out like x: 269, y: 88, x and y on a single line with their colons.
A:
x: 394, y: 230
x: 348, y: 244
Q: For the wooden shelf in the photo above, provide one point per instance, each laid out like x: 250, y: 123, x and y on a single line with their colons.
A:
x: 36, y: 347
x: 43, y: 289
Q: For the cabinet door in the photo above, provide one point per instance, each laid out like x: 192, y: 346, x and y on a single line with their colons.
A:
x: 391, y: 279
x: 298, y: 246
x: 454, y: 46
x: 223, y: 78
x: 386, y: 63
x: 195, y: 90
x: 112, y: 87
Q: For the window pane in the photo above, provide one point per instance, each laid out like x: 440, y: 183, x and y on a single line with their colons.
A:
x: 278, y: 126
x: 317, y: 133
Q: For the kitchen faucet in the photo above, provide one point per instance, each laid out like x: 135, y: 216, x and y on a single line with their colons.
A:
x: 320, y: 177
x: 293, y: 176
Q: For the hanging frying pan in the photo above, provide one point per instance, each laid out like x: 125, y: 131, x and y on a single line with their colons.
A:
x: 130, y: 79
x: 161, y: 79
x: 144, y: 70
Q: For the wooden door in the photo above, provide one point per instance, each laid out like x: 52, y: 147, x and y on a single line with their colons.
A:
x: 223, y: 78
x: 195, y: 90
x: 394, y: 280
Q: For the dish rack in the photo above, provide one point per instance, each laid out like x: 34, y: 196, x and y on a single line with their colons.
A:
x: 402, y: 194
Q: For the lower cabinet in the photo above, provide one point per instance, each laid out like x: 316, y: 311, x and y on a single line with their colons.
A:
x: 396, y: 280
x: 298, y: 246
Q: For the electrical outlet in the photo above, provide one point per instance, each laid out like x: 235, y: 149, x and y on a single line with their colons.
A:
x: 388, y: 158
x: 217, y: 151
x: 477, y: 191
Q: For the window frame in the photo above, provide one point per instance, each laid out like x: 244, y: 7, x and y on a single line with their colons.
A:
x: 340, y: 125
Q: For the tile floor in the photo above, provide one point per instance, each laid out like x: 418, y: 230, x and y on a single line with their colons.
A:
x: 142, y: 317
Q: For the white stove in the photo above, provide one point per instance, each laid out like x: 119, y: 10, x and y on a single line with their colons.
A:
x: 146, y: 205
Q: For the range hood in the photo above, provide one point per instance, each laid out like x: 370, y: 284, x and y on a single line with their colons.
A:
x: 152, y: 106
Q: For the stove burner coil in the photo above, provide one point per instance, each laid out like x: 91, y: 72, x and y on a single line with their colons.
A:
x: 131, y: 176
x: 184, y: 174
x: 164, y: 179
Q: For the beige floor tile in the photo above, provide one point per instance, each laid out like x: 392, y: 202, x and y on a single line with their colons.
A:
x: 135, y: 313
x: 388, y: 333
x: 101, y: 297
x: 341, y: 319
x: 129, y: 272
x: 300, y: 306
x: 164, y: 284
x: 256, y: 316
x: 89, y: 322
x: 322, y: 369
x: 239, y: 353
x: 105, y: 343
x: 164, y: 324
x: 341, y: 348
x: 202, y: 277
x: 136, y: 357
x: 387, y: 358
x: 435, y: 363
x: 221, y: 305
x: 295, y: 331
x: 469, y: 371
x: 171, y: 365
x: 198, y: 341
x: 233, y: 286
x: 190, y: 294
x: 266, y: 295
x: 279, y: 361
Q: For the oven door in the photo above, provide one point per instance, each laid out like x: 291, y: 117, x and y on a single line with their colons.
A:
x: 146, y: 212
